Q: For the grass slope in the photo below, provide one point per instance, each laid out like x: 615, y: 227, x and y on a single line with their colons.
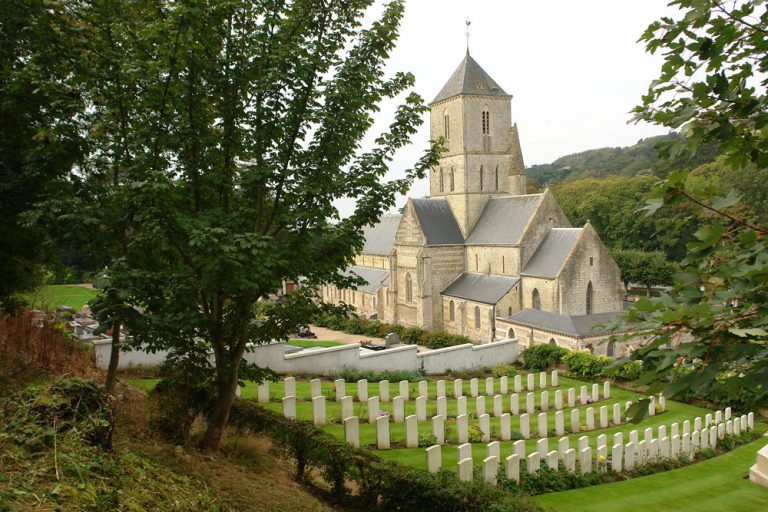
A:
x: 53, y: 296
x: 314, y: 343
x: 716, y: 485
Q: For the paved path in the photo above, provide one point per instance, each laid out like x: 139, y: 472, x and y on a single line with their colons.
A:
x: 324, y: 334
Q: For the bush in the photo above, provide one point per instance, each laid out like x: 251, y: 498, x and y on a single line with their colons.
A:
x: 583, y: 365
x: 442, y: 339
x: 504, y: 370
x: 427, y: 440
x: 353, y: 375
x: 411, y: 335
x: 627, y: 372
x: 475, y: 435
x: 541, y: 357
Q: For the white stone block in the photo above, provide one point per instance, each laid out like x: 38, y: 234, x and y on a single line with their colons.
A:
x: 382, y: 433
x: 653, y: 449
x: 421, y: 408
x: 727, y: 413
x: 674, y: 447
x: 575, y: 421
x: 518, y: 447
x: 648, y: 434
x: 465, y: 470
x: 686, y: 427
x: 530, y: 386
x: 318, y: 410
x: 590, y: 418
x: 289, y: 407
x: 571, y: 397
x: 442, y: 406
x: 505, y: 425
x: 744, y: 422
x: 697, y: 423
x: 504, y: 385
x: 462, y: 428
x: 595, y: 392
x: 498, y: 405
x: 423, y: 388
x: 543, y: 380
x: 458, y: 388
x: 570, y: 460
x: 674, y: 430
x: 751, y: 420
x: 518, y: 383
x: 315, y: 388
x: 490, y: 470
x: 347, y: 408
x: 514, y: 404
x: 695, y: 441
x: 606, y: 390
x: 533, y: 462
x: 473, y: 388
x: 585, y: 460
x: 617, y: 414
x: 542, y: 446
x: 629, y: 456
x: 362, y: 390
x: 729, y: 427
x: 530, y: 402
x: 543, y: 424
x: 618, y: 438
x: 512, y: 467
x: 398, y: 409
x: 373, y: 409
x: 665, y: 450
x: 563, y: 445
x: 525, y: 426
x: 602, y: 459
x: 583, y: 443
x: 583, y: 396
x: 602, y: 440
x: 440, y: 388
x: 493, y: 449
x: 404, y: 390
x: 704, y: 439
x: 554, y: 378
x: 465, y: 451
x: 604, y: 416
x: 708, y: 420
x: 634, y: 437
x: 721, y: 431
x: 662, y: 431
x: 712, y: 437
x: 434, y: 458
x: 461, y: 405
x: 485, y: 427
x: 489, y: 386
x: 480, y: 405
x: 553, y: 459
x: 341, y: 389
x: 289, y: 386
x: 544, y: 401
x: 642, y: 452
x: 718, y: 416
x: 559, y: 423
x: 438, y: 428
x: 262, y: 392
x: 411, y: 432
x: 384, y: 390
x: 558, y: 399
x: 352, y: 431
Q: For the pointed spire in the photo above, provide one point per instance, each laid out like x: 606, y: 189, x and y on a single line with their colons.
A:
x: 469, y: 78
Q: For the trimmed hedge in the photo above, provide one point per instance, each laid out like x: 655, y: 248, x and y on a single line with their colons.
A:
x: 540, y: 357
x: 381, y: 485
x: 584, y: 365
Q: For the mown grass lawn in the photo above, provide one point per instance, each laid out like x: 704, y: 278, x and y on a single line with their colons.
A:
x: 715, y: 485
x: 52, y: 296
x: 314, y: 343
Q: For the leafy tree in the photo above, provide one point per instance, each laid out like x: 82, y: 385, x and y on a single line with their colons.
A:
x: 246, y: 133
x: 712, y: 87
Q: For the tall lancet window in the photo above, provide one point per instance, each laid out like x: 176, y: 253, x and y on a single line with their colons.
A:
x: 442, y: 187
x: 590, y: 298
x: 482, y: 186
x: 447, y: 127
x: 486, y: 122
x: 496, y: 179
x: 452, y: 180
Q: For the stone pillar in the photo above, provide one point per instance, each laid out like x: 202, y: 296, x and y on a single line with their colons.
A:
x: 559, y: 423
x: 442, y: 406
x: 485, y: 427
x: 617, y: 457
x: 498, y: 405
x: 315, y: 388
x: 530, y: 384
x: 525, y: 426
x: 543, y: 424
x: 421, y: 408
x: 289, y: 407
x: 440, y: 388
x: 504, y: 385
x: 585, y: 460
x: 434, y: 458
x: 490, y: 470
x: 480, y: 405
x: 544, y: 401
x: 595, y: 392
x: 604, y: 417
x: 352, y: 431
x: 506, y: 427
x: 411, y: 432
x: 398, y: 409
x: 461, y: 405
x: 405, y: 390
x: 489, y: 386
x: 512, y: 467
x: 318, y: 410
x: 438, y: 428
x: 569, y: 457
x: 373, y: 409
x: 458, y: 389
x: 558, y: 399
x: 423, y: 388
x: 465, y: 470
x: 384, y: 391
x: 554, y: 379
x: 590, y: 418
x: 575, y: 422
x: 530, y: 403
x: 533, y: 462
x: 362, y: 390
x: 289, y: 386
x: 583, y: 396
x: 571, y: 397
x: 543, y: 380
x: 341, y: 389
x: 262, y: 392
x: 473, y: 391
x: 462, y: 428
x: 382, y: 432
x: 514, y: 404
x: 518, y: 383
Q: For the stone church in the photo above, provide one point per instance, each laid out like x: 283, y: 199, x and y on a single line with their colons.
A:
x: 480, y: 256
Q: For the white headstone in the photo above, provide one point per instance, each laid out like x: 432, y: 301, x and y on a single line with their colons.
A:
x: 530, y: 386
x: 384, y: 390
x: 347, y: 408
x: 583, y: 443
x: 569, y: 457
x: 462, y: 428
x: 595, y: 392
x: 708, y: 420
x: 602, y: 440
x: 461, y: 405
x: 606, y: 390
x: 438, y: 428
x: 751, y: 420
x: 618, y: 438
x: 498, y: 405
x: 262, y: 392
x: 590, y: 418
x: 555, y: 381
x: 718, y: 416
x: 697, y: 423
x: 318, y: 410
x: 421, y: 408
x: 634, y: 437
x: 559, y: 423
x: 289, y: 407
x: 493, y: 449
x: 465, y: 470
x: 558, y: 399
x: 458, y: 389
x: 617, y: 457
x: 440, y: 388
x: 662, y: 403
x: 629, y: 456
x: 518, y: 383
x: 480, y: 405
x: 704, y: 439
x: 442, y: 406
x: 465, y: 451
x: 518, y: 447
x: 651, y: 407
x: 490, y: 470
x: 423, y: 388
x: 315, y: 388
x: 648, y: 434
x: 506, y: 427
x: 530, y: 403
x: 575, y: 422
x: 662, y: 431
x: 542, y: 446
x: 653, y: 449
x: 617, y: 414
x: 485, y: 427
x: 674, y: 447
x: 563, y: 445
x: 552, y: 459
x: 571, y: 397
x: 373, y: 409
x: 512, y: 467
x: 544, y: 401
x: 341, y: 389
x: 489, y: 386
x: 525, y: 426
x: 674, y: 430
x: 514, y: 404
x: 398, y: 409
x: 352, y: 431
x: 695, y: 441
x: 411, y: 432
x: 504, y: 385
x: 664, y: 447
x: 473, y: 388
x: 404, y: 390
x: 604, y: 416
x: 686, y: 427
x: 727, y: 414
x: 744, y: 422
x: 434, y: 458
x: 602, y: 459
x: 382, y: 432
x: 712, y: 437
x: 289, y: 386
x: 729, y: 427
x: 585, y: 460
x: 583, y: 396
x: 533, y: 462
x: 642, y: 451
x: 543, y: 380
x: 543, y: 424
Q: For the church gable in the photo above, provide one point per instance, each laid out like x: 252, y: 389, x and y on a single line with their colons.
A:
x: 437, y: 222
x: 409, y: 231
x: 504, y: 220
x: 547, y: 215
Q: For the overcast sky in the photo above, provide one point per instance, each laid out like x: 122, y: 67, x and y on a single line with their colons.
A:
x: 574, y: 69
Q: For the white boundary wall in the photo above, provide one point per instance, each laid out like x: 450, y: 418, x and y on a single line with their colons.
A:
x: 330, y: 360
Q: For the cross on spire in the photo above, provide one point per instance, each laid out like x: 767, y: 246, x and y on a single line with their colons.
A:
x: 468, y: 23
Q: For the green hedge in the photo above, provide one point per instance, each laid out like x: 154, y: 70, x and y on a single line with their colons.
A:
x: 380, y: 485
x: 584, y: 365
x: 540, y: 357
x: 408, y: 335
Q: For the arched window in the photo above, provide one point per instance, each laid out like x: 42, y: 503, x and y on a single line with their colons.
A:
x: 496, y: 179
x: 452, y: 311
x: 408, y: 288
x: 511, y: 333
x: 452, y: 180
x: 442, y: 187
x: 552, y: 342
x: 486, y: 122
x: 482, y: 185
x: 509, y: 311
x: 590, y: 298
x: 611, y: 350
x: 477, y: 264
x: 477, y: 317
x: 447, y: 126
x: 536, y: 299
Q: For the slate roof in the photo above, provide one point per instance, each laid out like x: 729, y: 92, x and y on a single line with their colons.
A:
x: 437, y: 221
x: 480, y: 287
x: 503, y: 220
x: 380, y: 238
x: 579, y: 326
x: 469, y: 78
x: 552, y: 252
x: 375, y: 277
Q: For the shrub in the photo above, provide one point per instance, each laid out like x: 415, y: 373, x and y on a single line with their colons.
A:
x: 475, y: 372
x: 504, y: 370
x: 411, y: 335
x: 353, y: 375
x: 442, y: 339
x: 584, y: 365
x: 424, y: 338
x: 475, y: 435
x: 355, y: 325
x: 541, y: 357
x: 427, y: 440
x: 628, y: 372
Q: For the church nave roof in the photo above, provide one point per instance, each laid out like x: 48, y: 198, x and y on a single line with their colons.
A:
x: 480, y: 287
x: 551, y: 255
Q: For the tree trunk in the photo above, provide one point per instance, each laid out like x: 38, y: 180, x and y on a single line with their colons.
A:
x: 217, y: 419
x: 647, y: 290
x: 114, y: 358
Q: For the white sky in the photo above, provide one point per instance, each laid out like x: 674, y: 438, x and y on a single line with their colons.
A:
x: 574, y: 69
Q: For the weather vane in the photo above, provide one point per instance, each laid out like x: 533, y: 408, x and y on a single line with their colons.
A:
x: 468, y: 23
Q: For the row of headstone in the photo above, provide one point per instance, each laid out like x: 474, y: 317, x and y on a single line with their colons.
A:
x: 289, y: 387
